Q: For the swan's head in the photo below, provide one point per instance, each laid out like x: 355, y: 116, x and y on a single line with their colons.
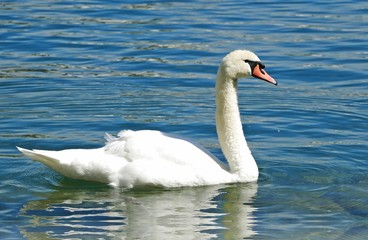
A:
x: 244, y: 63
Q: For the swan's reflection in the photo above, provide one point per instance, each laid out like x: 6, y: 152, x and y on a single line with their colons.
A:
x: 191, y: 213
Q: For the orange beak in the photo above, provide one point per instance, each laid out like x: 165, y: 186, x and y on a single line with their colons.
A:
x: 262, y: 74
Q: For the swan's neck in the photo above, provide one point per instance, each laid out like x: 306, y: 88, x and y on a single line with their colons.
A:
x: 230, y: 130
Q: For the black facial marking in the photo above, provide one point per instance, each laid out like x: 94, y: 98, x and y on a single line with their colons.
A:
x: 253, y: 64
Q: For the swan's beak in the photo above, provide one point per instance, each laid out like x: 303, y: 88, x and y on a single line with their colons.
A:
x: 262, y: 74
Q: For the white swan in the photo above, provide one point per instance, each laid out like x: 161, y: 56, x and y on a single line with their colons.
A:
x: 149, y: 157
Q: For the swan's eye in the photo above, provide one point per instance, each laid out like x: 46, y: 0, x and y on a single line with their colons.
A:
x: 253, y: 64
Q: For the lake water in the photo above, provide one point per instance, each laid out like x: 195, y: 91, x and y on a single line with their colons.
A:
x: 72, y: 70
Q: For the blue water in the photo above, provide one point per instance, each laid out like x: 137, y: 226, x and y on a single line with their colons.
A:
x: 72, y: 70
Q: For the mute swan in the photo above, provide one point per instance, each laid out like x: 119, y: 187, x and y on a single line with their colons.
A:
x: 147, y: 157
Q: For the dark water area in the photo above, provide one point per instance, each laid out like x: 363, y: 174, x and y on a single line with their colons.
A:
x: 72, y: 70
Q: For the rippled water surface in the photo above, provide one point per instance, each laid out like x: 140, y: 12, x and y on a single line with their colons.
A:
x: 72, y: 70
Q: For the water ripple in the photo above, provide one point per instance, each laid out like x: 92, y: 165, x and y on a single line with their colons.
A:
x: 70, y: 71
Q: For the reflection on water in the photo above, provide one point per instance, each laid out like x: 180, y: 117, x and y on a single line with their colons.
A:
x: 190, y: 213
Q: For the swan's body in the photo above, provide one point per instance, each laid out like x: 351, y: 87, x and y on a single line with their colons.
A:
x: 148, y: 157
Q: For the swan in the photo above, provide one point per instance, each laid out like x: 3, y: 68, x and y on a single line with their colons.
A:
x: 154, y: 158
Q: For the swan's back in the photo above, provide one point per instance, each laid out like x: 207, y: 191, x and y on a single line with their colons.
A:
x: 159, y: 159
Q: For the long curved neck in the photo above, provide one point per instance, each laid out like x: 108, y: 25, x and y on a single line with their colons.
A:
x: 230, y: 130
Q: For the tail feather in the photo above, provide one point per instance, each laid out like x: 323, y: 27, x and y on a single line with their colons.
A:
x: 39, y: 156
x: 54, y: 160
x: 32, y: 154
x: 86, y: 164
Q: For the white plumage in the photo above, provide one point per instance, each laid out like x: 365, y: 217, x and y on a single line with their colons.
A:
x: 147, y: 157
